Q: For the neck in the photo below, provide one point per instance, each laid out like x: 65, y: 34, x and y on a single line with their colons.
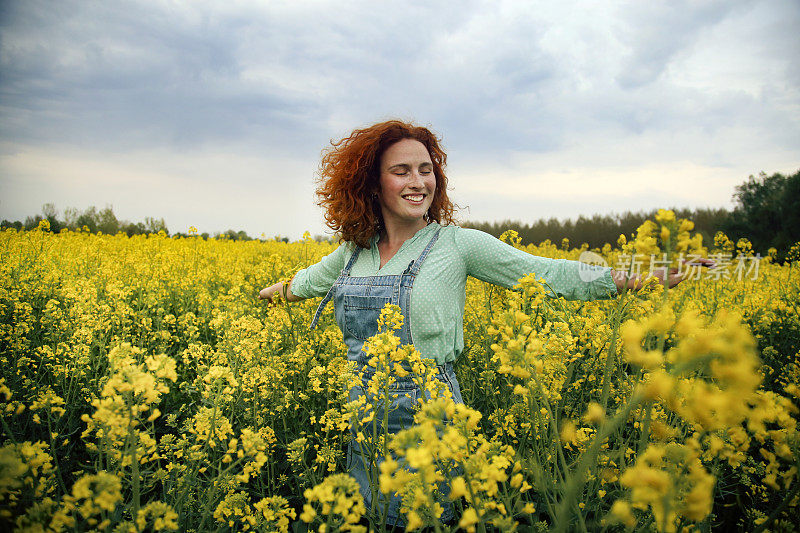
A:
x: 395, y: 233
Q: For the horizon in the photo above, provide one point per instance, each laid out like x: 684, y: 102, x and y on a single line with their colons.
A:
x: 330, y: 235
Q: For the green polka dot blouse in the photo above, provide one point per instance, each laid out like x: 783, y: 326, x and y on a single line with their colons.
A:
x: 438, y: 295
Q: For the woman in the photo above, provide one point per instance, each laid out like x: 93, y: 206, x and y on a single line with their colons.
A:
x: 385, y: 193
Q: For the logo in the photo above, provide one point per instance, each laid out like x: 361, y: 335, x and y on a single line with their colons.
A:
x: 592, y: 266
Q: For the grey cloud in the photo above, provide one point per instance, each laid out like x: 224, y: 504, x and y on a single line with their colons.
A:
x: 655, y: 33
x: 136, y: 73
x: 135, y: 76
x: 285, y: 75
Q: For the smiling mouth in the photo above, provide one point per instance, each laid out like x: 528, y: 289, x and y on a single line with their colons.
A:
x: 414, y: 197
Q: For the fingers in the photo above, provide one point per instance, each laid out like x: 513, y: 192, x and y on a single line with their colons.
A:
x: 264, y: 294
x: 710, y: 263
x: 701, y: 261
x: 268, y: 300
x: 674, y: 275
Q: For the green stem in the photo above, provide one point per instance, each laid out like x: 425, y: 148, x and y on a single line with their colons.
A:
x: 482, y: 525
x: 644, y: 436
x: 55, y: 456
x: 779, y: 509
x: 575, y: 483
x: 8, y: 431
x: 135, y: 480
x: 285, y: 290
x: 559, y: 452
x: 611, y: 356
x: 385, y: 510
x: 196, y: 466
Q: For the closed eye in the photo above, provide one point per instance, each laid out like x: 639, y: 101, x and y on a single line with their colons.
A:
x: 402, y: 170
x: 399, y: 170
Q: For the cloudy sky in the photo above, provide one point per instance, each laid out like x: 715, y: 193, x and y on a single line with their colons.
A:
x: 214, y: 113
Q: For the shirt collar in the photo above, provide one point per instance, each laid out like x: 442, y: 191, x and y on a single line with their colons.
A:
x: 421, y: 233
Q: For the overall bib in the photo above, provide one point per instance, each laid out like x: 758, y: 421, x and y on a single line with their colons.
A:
x: 357, y: 305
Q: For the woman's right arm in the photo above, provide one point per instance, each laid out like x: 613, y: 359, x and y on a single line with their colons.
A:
x: 312, y: 281
x: 283, y: 290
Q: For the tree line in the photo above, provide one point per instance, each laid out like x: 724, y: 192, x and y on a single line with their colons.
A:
x: 105, y: 221
x: 766, y: 212
x: 91, y: 219
x: 597, y: 230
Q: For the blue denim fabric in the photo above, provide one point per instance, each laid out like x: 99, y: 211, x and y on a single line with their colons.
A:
x: 358, y: 302
x: 403, y: 397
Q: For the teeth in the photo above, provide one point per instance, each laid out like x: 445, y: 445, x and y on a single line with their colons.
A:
x: 414, y: 197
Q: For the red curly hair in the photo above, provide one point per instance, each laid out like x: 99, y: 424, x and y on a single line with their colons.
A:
x: 350, y: 176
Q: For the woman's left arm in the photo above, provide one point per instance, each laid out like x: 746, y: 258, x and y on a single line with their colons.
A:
x: 494, y: 261
x: 489, y: 259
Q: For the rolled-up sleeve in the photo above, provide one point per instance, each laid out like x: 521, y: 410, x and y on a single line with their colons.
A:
x: 494, y: 261
x: 318, y: 278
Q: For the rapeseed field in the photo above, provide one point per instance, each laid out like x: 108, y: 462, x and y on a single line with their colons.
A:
x: 145, y: 388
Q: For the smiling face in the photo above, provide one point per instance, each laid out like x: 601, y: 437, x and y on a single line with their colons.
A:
x: 407, y: 184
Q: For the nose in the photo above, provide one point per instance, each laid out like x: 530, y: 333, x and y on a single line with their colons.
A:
x: 416, y: 179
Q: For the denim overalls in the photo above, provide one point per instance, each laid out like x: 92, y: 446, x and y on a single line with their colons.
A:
x: 357, y: 303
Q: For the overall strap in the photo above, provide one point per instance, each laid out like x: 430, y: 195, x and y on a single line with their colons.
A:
x: 414, y: 266
x: 346, y: 269
x: 345, y: 272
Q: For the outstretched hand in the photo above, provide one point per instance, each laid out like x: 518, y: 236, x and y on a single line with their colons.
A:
x: 673, y: 276
x: 267, y: 293
x: 274, y: 293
